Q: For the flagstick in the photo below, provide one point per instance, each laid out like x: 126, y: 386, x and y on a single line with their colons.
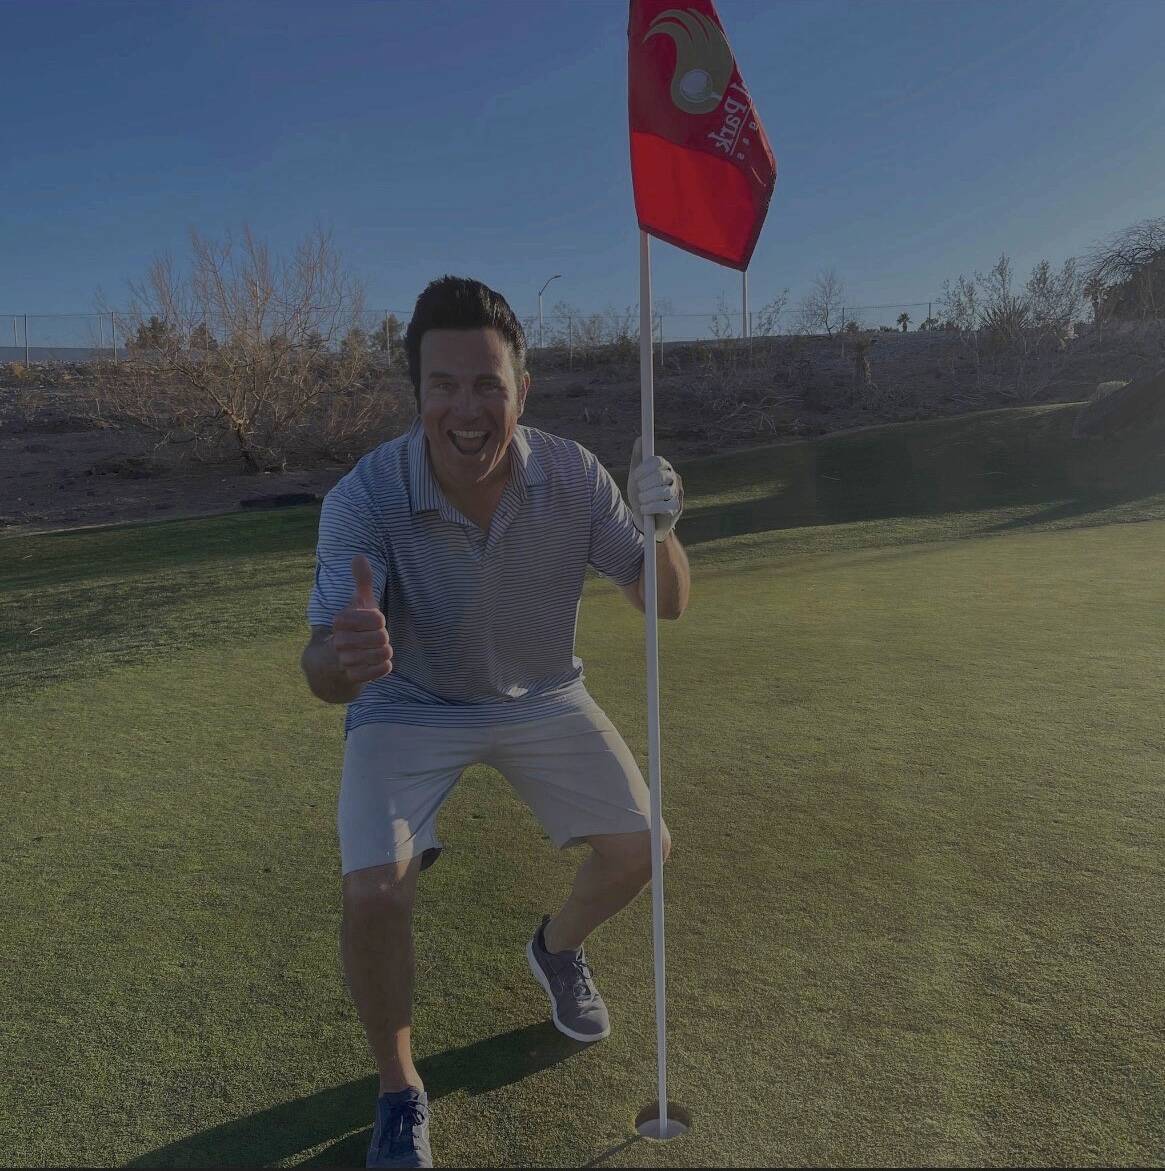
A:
x: 650, y: 599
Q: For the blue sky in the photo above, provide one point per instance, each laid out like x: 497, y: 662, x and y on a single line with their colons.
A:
x: 914, y: 140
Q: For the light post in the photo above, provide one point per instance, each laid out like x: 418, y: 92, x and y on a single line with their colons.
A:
x: 540, y: 292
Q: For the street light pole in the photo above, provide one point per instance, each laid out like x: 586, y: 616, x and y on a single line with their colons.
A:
x: 540, y: 292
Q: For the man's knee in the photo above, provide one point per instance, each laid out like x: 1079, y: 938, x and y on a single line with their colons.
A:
x: 631, y: 852
x: 390, y: 889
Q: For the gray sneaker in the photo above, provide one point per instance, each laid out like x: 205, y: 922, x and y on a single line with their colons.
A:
x: 400, y: 1135
x: 575, y: 1004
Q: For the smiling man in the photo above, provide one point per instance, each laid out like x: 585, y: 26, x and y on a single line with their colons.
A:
x: 450, y: 569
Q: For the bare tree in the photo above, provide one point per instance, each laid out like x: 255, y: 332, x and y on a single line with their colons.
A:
x: 960, y: 305
x: 1054, y: 302
x: 562, y: 324
x: 1009, y: 335
x: 821, y: 308
x: 721, y: 324
x: 1127, y: 271
x: 768, y: 316
x: 278, y: 366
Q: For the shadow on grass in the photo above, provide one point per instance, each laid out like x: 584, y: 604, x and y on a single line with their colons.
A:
x: 341, y: 1116
x: 1070, y: 509
x: 1048, y: 503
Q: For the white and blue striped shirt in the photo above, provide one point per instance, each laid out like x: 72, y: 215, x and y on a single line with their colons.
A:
x: 482, y: 625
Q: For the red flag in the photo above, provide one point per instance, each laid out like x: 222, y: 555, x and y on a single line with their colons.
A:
x: 701, y: 165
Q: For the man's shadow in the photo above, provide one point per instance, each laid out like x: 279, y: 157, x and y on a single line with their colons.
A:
x: 263, y: 1139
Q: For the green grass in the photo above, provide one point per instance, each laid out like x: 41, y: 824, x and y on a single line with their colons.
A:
x: 912, y: 766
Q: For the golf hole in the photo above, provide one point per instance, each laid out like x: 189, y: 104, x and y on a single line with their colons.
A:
x: 679, y: 1121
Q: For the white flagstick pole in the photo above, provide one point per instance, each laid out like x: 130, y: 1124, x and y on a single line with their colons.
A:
x: 650, y: 599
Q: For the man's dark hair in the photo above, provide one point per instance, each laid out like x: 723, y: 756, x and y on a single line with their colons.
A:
x: 455, y: 302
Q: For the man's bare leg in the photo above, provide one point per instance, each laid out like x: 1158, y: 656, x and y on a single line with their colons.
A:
x: 376, y: 944
x: 617, y: 870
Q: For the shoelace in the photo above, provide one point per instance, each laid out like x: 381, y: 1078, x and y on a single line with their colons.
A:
x: 578, y: 973
x: 398, y: 1133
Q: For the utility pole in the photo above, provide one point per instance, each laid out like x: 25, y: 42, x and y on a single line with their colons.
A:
x: 540, y: 292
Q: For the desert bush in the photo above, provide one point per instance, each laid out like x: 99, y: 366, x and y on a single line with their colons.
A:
x: 17, y: 374
x: 768, y: 316
x: 272, y: 385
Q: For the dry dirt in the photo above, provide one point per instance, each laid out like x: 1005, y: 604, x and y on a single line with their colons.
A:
x: 60, y: 471
x: 57, y: 472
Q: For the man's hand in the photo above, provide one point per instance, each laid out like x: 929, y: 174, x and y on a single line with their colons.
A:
x: 360, y: 636
x: 654, y: 487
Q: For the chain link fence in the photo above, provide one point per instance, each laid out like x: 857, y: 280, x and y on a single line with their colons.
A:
x: 81, y: 337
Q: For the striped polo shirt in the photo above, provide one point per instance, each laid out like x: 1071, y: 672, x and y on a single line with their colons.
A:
x: 482, y: 625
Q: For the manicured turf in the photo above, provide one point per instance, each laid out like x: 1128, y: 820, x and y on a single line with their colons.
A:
x: 912, y: 765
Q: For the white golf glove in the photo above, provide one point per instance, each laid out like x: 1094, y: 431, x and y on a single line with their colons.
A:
x: 655, y: 487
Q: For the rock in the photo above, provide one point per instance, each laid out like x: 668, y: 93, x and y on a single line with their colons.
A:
x: 1119, y: 406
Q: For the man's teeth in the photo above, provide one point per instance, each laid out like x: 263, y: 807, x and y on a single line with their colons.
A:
x: 474, y: 440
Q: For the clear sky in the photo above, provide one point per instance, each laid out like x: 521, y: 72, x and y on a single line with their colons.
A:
x: 915, y: 140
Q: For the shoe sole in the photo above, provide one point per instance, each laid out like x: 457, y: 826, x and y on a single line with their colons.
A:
x: 536, y: 968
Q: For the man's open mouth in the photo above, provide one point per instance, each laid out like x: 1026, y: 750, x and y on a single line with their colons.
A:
x: 469, y: 443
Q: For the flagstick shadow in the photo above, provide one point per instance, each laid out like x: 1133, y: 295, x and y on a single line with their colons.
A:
x: 292, y: 1127
x: 597, y: 1160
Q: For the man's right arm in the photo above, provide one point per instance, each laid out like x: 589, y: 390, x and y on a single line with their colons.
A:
x: 325, y: 676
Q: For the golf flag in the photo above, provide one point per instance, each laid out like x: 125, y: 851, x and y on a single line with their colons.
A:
x: 701, y: 165
x: 703, y: 175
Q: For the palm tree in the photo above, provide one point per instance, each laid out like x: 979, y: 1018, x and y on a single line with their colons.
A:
x: 904, y: 320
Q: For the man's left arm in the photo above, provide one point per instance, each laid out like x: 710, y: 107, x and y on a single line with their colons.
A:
x: 673, y: 578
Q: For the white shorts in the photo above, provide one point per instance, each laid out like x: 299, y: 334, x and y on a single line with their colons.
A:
x: 575, y: 772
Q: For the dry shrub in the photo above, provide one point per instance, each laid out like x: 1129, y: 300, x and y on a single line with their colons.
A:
x: 252, y: 359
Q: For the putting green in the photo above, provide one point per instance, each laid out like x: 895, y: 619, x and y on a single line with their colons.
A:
x: 913, y: 772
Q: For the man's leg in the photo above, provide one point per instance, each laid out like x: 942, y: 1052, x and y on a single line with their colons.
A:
x: 376, y: 943
x: 618, y: 868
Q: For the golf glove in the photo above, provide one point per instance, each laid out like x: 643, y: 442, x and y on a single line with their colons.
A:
x: 655, y: 487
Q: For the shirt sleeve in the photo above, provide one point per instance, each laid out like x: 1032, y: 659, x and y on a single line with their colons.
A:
x: 346, y: 529
x: 617, y: 545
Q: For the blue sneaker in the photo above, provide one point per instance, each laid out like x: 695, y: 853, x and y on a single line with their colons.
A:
x: 400, y: 1135
x: 576, y: 1007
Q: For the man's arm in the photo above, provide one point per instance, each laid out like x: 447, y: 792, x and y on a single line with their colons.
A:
x: 673, y: 580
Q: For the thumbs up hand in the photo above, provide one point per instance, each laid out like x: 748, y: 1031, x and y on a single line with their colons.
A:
x: 359, y: 634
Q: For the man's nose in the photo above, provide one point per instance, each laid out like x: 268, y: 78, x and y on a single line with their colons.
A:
x: 465, y: 405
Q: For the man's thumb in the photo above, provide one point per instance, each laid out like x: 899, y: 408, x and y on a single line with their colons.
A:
x: 362, y: 573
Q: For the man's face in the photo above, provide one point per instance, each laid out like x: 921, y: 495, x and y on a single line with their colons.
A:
x: 468, y: 384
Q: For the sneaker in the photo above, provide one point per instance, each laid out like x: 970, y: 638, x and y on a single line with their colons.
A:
x: 400, y: 1135
x: 575, y: 1004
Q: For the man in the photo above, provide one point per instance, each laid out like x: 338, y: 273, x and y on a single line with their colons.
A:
x: 467, y: 541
